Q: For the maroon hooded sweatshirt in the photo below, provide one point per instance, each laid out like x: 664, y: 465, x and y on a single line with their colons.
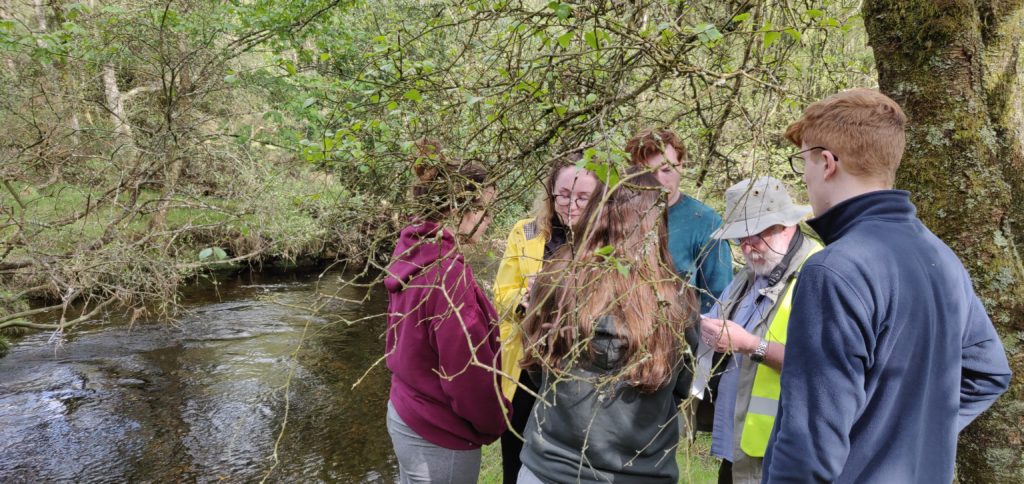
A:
x: 437, y: 316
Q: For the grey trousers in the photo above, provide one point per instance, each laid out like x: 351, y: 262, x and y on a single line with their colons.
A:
x: 526, y: 476
x: 746, y: 469
x: 421, y: 461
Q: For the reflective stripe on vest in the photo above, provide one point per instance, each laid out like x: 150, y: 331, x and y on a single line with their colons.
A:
x: 764, y: 395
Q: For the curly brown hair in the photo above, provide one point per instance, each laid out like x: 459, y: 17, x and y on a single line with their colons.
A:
x: 444, y: 186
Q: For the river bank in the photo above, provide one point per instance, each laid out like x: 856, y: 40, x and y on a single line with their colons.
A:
x: 61, y: 256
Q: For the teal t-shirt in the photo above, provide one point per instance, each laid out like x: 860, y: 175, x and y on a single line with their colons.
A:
x: 705, y: 262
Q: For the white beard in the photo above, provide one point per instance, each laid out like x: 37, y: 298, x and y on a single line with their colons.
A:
x: 763, y: 263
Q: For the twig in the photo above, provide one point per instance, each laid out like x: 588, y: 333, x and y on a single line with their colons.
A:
x: 14, y: 193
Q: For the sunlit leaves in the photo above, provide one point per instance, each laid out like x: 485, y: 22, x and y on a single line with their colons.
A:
x: 565, y: 39
x: 743, y: 17
x: 707, y: 34
x: 562, y: 10
x: 595, y: 37
x: 770, y: 36
x: 288, y: 66
x: 601, y: 165
x: 212, y: 254
x: 413, y: 95
x: 606, y: 252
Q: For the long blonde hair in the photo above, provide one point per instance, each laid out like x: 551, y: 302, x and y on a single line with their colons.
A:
x: 619, y: 267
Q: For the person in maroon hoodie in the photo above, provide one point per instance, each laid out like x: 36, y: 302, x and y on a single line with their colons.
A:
x: 442, y: 337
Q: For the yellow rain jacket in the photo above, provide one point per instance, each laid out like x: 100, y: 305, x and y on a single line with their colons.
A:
x: 524, y: 256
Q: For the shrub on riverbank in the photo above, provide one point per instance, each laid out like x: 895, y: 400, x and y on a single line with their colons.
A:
x: 107, y: 258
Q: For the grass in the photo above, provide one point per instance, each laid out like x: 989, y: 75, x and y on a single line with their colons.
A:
x: 696, y: 465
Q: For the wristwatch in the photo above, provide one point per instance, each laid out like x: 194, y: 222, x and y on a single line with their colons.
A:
x: 762, y: 350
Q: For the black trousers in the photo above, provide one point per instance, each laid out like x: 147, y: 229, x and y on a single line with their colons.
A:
x: 511, y: 446
x: 725, y: 472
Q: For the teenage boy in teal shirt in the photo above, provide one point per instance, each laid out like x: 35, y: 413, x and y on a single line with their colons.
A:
x: 706, y: 262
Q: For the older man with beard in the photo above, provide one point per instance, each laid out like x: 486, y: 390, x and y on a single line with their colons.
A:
x: 743, y: 337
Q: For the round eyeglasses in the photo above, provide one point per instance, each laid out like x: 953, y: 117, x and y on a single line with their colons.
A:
x: 565, y: 200
x: 796, y: 160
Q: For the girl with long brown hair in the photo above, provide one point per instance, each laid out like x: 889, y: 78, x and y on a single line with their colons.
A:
x: 605, y: 335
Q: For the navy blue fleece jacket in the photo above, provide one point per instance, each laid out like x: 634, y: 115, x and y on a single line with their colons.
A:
x: 889, y: 353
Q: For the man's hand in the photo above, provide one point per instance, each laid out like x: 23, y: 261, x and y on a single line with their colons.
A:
x: 726, y: 336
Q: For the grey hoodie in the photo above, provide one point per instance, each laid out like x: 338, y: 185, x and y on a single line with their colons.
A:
x: 592, y: 427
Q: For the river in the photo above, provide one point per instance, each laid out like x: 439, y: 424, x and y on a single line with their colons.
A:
x: 203, y: 398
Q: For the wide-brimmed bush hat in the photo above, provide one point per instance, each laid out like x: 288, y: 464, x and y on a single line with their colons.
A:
x: 753, y: 205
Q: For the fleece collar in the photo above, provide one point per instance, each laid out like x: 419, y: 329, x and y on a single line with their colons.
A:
x: 891, y: 205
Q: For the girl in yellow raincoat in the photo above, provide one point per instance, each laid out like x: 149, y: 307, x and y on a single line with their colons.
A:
x: 567, y: 190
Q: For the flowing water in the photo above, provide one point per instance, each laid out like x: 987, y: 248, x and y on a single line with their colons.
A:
x: 204, y: 398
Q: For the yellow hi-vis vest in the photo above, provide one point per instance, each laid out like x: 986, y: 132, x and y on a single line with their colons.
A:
x: 764, y: 396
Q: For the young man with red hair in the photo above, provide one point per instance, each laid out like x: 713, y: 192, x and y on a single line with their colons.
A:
x: 890, y: 353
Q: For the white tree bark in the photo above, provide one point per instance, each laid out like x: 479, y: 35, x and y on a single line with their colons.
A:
x: 115, y: 102
x: 40, y: 9
x: 5, y: 14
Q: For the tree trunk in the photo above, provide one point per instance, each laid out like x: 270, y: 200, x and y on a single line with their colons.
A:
x: 115, y: 102
x: 6, y: 14
x: 176, y: 100
x: 40, y: 10
x: 955, y: 67
x: 70, y: 86
x: 53, y: 84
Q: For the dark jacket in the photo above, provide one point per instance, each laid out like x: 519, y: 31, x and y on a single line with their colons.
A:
x: 889, y: 355
x: 626, y: 436
x: 429, y: 344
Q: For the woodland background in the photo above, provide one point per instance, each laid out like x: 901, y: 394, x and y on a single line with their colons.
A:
x: 147, y: 143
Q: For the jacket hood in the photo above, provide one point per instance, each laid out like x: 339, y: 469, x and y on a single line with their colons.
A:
x: 419, y: 246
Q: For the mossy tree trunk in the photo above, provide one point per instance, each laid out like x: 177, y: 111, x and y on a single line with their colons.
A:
x: 955, y: 66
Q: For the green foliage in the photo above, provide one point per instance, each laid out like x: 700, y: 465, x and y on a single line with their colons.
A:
x: 212, y: 254
x: 271, y: 129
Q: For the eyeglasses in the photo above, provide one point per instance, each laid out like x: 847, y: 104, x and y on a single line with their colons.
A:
x: 796, y: 160
x: 760, y: 237
x: 565, y: 200
x: 751, y: 240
